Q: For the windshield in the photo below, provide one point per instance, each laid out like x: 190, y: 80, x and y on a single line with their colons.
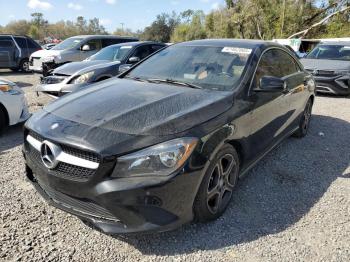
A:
x: 331, y: 52
x: 112, y: 53
x: 209, y: 67
x: 68, y: 43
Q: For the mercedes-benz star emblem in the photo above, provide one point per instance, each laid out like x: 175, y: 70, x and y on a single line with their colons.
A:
x: 49, y: 153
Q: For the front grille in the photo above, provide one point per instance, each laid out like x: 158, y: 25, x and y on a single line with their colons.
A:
x: 80, y: 153
x: 325, y: 73
x: 65, y: 170
x: 83, y: 206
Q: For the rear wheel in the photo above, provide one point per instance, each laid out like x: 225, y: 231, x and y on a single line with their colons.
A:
x: 304, y: 121
x: 217, y: 186
x: 24, y: 66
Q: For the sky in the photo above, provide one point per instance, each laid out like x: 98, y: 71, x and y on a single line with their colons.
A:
x: 135, y: 14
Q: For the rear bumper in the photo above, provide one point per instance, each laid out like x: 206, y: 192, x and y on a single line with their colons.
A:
x: 339, y: 85
x: 121, y: 205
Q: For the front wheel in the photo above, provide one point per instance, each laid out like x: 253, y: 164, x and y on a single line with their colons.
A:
x: 217, y: 186
x: 304, y: 121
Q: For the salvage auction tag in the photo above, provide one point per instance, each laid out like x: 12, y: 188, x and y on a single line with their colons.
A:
x: 236, y: 50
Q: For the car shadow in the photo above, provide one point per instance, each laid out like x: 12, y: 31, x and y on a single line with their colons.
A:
x: 276, y: 194
x: 11, y: 137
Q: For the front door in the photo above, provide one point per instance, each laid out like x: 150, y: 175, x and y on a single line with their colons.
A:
x: 271, y: 112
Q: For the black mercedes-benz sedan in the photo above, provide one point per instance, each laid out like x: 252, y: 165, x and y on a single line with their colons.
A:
x: 165, y: 142
x: 329, y: 63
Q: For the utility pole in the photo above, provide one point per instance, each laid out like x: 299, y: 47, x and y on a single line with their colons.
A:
x: 122, y: 26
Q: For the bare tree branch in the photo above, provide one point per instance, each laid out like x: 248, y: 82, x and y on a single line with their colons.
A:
x: 304, y: 32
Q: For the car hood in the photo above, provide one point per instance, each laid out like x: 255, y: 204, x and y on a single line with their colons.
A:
x: 83, y: 66
x: 325, y: 64
x: 120, y: 110
x: 45, y: 53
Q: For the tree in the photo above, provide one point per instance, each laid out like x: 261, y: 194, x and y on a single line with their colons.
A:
x: 34, y: 32
x: 162, y: 28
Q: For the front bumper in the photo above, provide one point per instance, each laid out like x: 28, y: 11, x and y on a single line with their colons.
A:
x: 120, y: 205
x: 60, y: 89
x: 338, y: 85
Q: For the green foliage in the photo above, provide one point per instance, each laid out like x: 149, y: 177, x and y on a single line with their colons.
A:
x: 262, y: 19
x: 39, y: 28
x: 162, y: 28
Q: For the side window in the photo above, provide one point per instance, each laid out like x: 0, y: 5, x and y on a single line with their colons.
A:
x: 142, y: 52
x: 287, y: 64
x: 95, y: 44
x: 275, y: 63
x: 21, y: 42
x: 156, y: 47
x: 6, y: 43
x: 108, y: 42
x: 268, y: 66
x: 32, y: 43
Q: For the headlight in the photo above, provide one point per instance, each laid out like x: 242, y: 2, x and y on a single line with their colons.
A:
x: 159, y: 160
x: 83, y: 78
x: 6, y: 88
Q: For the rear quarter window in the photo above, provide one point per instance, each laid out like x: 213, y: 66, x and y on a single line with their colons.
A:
x: 21, y: 42
x: 32, y: 43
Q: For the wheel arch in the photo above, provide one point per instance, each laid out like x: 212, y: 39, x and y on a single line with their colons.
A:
x: 3, y: 109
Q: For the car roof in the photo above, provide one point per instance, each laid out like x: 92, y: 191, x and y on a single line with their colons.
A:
x: 15, y: 35
x: 244, y: 43
x: 105, y: 36
x: 347, y: 43
x: 138, y: 43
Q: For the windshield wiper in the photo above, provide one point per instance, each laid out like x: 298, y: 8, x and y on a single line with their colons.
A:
x: 171, y: 81
x: 136, y: 78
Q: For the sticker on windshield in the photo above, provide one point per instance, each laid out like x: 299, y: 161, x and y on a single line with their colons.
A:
x: 236, y: 50
x: 126, y: 47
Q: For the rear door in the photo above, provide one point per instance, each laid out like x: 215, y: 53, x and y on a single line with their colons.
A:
x: 296, y: 84
x: 8, y: 52
x: 271, y: 110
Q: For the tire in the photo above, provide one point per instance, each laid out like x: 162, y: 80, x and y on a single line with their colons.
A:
x: 219, y: 181
x: 24, y: 66
x: 304, y: 121
x: 3, y: 120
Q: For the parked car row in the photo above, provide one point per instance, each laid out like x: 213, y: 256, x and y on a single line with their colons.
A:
x: 165, y: 142
x: 101, y: 66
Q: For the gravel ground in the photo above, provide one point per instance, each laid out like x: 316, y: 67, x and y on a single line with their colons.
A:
x: 293, y: 206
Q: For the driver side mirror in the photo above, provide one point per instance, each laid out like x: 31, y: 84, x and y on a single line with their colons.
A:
x: 86, y: 48
x: 134, y: 60
x: 271, y: 84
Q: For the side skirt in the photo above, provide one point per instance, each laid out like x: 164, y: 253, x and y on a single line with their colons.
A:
x: 250, y: 166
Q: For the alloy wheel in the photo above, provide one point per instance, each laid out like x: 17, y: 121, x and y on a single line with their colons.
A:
x: 25, y: 66
x: 221, y: 183
x: 307, y: 117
